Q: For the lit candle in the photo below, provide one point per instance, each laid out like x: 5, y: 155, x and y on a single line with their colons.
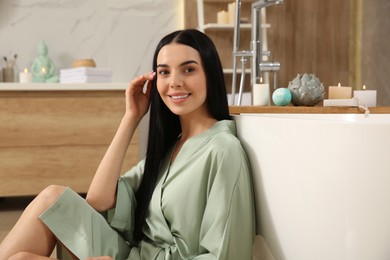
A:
x: 43, y: 71
x: 340, y: 92
x: 261, y: 94
x: 25, y: 76
x: 222, y: 17
x: 231, y: 12
x: 367, y: 97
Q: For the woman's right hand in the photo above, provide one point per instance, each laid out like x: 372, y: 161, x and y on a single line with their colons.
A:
x: 137, y: 101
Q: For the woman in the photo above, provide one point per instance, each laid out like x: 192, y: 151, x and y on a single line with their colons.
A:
x: 191, y: 198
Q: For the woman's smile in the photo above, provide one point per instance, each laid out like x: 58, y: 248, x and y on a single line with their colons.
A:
x: 179, y: 97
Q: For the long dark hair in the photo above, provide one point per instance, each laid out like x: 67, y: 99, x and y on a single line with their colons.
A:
x: 164, y: 126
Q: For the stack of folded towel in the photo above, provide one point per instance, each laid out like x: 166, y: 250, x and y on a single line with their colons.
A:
x: 85, y: 75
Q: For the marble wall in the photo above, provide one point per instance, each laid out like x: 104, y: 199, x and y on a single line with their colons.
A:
x: 117, y: 34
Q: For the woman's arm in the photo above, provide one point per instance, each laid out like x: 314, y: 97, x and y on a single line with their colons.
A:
x: 101, y: 193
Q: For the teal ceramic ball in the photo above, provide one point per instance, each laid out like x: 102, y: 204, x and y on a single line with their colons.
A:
x: 281, y: 96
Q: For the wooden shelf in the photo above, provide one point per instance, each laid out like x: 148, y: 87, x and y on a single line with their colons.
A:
x: 230, y: 71
x: 217, y: 26
x: 226, y: 1
x: 305, y: 110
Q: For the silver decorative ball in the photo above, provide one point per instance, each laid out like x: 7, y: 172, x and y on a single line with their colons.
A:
x: 306, y: 90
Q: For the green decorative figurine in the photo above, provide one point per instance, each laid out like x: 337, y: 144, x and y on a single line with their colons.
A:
x: 42, y: 68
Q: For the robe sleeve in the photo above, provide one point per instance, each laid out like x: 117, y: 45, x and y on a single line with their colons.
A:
x: 123, y: 214
x: 228, y: 225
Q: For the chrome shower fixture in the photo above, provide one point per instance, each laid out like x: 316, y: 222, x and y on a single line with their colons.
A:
x: 256, y: 52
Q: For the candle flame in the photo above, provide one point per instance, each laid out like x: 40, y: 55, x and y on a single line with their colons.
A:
x: 364, y: 87
x: 43, y: 70
x: 25, y: 70
x: 261, y: 79
x: 339, y: 85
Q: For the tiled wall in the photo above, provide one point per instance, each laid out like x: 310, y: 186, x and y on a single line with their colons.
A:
x: 119, y: 34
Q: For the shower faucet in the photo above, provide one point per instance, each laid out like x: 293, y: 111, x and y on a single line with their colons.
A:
x: 258, y: 65
x: 256, y: 52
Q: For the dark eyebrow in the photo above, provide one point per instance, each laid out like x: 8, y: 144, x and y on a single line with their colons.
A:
x: 182, y: 64
x: 188, y: 62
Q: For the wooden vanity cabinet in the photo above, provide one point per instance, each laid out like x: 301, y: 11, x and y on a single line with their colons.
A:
x: 56, y: 137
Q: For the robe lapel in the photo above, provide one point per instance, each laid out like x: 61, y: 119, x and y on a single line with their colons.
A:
x: 159, y: 222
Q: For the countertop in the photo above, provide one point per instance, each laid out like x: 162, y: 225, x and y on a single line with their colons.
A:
x: 62, y: 87
x: 6, y: 87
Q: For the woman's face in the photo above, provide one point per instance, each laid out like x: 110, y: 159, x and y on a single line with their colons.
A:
x: 181, y: 80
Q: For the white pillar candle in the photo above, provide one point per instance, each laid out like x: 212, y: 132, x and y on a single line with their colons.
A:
x: 25, y: 76
x: 261, y: 94
x: 231, y: 12
x: 340, y: 92
x: 222, y: 17
x: 367, y: 97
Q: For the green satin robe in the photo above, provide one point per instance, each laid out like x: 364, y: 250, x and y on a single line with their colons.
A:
x: 202, y: 206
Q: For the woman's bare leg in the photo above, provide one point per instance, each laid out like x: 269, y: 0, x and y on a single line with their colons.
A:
x: 30, y: 234
x: 28, y: 256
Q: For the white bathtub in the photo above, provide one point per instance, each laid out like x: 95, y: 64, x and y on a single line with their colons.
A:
x: 322, y: 184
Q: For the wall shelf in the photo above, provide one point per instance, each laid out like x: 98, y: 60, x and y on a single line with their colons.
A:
x: 226, y: 1
x: 218, y: 26
x: 230, y: 71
